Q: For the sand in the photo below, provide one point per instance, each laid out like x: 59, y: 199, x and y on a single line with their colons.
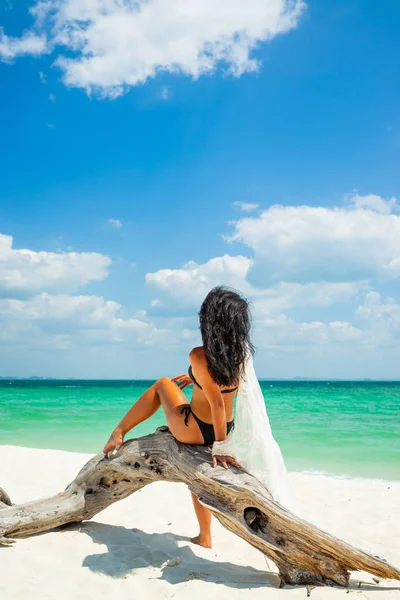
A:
x: 140, y: 549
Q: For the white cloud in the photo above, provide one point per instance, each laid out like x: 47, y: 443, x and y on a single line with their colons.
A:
x: 246, y: 206
x: 304, y: 257
x: 52, y: 98
x: 375, y: 203
x: 80, y: 312
x: 308, y: 325
x: 109, y: 45
x: 165, y: 92
x: 36, y: 316
x: 47, y: 320
x: 285, y: 296
x: 177, y: 290
x: 285, y: 332
x: 308, y: 244
x: 26, y: 272
x: 376, y: 326
x: 382, y: 317
x: 186, y: 287
x: 27, y: 44
x: 115, y: 223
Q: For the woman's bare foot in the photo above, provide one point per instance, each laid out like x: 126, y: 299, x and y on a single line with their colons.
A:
x: 202, y: 540
x: 116, y: 440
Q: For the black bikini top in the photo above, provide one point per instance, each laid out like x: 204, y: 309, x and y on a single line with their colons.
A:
x: 190, y: 373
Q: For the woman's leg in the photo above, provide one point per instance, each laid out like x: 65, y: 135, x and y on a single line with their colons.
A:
x: 163, y: 393
x: 167, y: 394
x: 204, y: 518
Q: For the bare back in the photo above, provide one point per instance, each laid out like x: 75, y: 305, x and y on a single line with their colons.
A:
x: 199, y: 402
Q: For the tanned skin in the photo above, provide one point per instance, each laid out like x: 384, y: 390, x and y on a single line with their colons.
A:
x: 208, y: 404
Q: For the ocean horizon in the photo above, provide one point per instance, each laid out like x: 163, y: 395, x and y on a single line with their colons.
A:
x: 151, y: 380
x: 345, y: 428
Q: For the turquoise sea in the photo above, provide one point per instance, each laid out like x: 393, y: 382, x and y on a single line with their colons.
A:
x: 344, y: 428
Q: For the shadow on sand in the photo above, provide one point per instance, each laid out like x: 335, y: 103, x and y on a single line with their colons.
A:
x: 129, y: 550
x: 132, y: 549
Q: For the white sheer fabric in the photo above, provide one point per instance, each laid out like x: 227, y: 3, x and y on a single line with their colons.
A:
x: 252, y: 444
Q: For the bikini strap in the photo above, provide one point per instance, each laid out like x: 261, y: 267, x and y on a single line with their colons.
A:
x: 186, y: 410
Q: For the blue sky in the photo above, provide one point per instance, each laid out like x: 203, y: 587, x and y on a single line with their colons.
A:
x: 163, y: 119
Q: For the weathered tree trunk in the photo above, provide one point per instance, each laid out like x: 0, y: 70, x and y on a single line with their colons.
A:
x: 303, y: 553
x: 4, y: 499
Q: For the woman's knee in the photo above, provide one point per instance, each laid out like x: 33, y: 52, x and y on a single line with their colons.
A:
x: 163, y: 382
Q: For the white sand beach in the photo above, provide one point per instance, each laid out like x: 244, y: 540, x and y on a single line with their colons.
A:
x: 139, y: 548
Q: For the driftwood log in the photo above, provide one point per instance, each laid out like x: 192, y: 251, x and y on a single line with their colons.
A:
x: 304, y: 554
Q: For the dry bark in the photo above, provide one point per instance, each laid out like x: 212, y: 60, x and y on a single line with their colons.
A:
x: 4, y: 499
x: 303, y: 553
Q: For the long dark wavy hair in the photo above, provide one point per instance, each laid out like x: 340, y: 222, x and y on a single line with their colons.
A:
x: 225, y: 323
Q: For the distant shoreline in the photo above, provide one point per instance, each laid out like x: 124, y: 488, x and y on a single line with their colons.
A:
x: 262, y: 379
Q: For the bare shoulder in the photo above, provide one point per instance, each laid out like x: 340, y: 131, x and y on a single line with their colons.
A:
x: 199, y: 364
x: 197, y: 356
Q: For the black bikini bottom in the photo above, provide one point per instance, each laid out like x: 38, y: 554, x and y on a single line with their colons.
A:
x: 207, y: 429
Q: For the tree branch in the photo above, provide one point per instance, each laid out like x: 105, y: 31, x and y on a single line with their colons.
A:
x: 303, y: 553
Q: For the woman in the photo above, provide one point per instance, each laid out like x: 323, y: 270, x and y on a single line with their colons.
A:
x: 215, y: 370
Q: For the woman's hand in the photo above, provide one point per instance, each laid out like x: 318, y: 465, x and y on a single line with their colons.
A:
x: 182, y: 381
x: 225, y: 460
x: 116, y: 440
